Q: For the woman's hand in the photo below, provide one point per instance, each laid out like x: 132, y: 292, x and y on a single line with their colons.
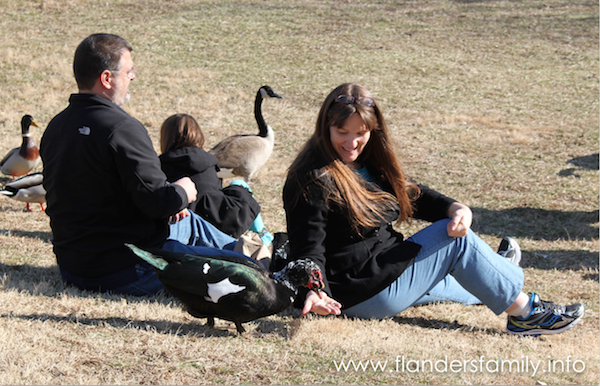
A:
x: 461, y: 218
x: 322, y: 305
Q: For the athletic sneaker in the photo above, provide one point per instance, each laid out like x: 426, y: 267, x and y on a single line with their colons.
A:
x: 510, y: 250
x: 545, y: 318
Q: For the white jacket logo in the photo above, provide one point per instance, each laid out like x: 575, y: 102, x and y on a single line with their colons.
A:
x: 84, y: 130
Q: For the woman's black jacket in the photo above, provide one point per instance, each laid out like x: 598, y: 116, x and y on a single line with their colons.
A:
x: 231, y: 209
x: 356, y: 266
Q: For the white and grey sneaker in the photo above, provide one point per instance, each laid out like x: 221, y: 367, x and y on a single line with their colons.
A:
x: 510, y: 250
x: 545, y: 318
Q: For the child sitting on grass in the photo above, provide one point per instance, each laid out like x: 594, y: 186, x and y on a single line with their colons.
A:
x: 232, y: 209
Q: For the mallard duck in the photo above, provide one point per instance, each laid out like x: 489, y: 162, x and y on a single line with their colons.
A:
x: 27, y: 189
x: 21, y: 160
x: 231, y: 286
x: 243, y: 154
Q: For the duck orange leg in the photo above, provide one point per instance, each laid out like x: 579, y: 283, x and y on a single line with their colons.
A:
x: 31, y: 210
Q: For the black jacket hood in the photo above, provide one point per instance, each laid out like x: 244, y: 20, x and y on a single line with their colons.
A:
x: 189, y: 159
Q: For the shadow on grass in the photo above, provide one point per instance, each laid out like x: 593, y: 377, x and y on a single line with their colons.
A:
x: 587, y: 162
x: 437, y: 324
x: 46, y: 281
x: 44, y: 236
x: 541, y: 224
x: 560, y: 260
x: 536, y: 224
x: 159, y: 326
x: 547, y: 225
x: 592, y: 276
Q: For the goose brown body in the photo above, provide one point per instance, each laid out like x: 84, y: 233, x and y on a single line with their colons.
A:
x: 243, y: 154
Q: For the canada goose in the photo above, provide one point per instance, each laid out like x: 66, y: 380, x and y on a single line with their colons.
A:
x: 27, y: 189
x: 243, y: 154
x: 21, y: 160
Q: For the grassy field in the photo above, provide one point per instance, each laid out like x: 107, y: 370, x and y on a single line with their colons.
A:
x: 494, y: 103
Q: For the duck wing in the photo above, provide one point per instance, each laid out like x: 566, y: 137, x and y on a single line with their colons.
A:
x: 215, y: 280
x: 35, y: 194
x: 15, y: 164
x: 8, y: 155
x: 228, y: 288
x: 26, y: 182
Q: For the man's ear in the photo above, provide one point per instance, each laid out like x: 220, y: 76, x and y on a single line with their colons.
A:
x: 105, y: 78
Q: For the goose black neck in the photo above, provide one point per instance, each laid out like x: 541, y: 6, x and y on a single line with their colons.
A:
x: 262, y: 125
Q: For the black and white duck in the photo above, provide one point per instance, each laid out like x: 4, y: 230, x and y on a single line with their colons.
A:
x: 230, y: 287
x: 243, y: 154
x: 27, y: 189
x: 21, y: 160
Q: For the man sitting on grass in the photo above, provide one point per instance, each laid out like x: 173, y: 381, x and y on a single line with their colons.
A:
x: 105, y: 186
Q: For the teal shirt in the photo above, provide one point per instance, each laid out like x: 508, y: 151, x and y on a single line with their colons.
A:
x: 364, y: 173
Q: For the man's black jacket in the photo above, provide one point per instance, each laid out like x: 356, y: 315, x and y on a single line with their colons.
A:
x: 105, y: 187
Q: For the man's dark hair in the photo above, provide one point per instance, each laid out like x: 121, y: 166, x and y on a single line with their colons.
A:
x: 96, y: 53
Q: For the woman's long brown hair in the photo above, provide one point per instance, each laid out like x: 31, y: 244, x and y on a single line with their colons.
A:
x: 344, y: 186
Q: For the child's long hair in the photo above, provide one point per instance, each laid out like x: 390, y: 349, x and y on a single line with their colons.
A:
x: 344, y: 186
x: 180, y: 130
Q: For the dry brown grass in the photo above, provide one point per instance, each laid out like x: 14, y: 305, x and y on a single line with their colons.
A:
x: 492, y: 102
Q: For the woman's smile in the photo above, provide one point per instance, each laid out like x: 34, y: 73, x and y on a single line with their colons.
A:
x: 350, y: 140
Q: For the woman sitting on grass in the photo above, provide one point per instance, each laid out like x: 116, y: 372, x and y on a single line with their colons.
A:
x: 342, y: 194
x: 232, y: 209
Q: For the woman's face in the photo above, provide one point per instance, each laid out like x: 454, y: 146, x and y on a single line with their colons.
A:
x: 350, y: 140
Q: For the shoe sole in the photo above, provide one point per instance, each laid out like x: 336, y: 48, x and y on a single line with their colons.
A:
x: 541, y: 331
x: 517, y: 249
x: 515, y: 246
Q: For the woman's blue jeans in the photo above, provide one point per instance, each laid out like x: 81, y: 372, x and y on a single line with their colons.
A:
x: 461, y: 269
x: 193, y: 234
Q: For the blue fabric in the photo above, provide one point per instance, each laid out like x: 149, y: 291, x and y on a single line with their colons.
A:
x: 473, y: 265
x: 364, y: 173
x: 202, y: 237
x: 194, y: 230
x: 176, y: 246
x: 448, y: 290
x: 258, y: 225
x: 146, y: 284
x: 243, y: 184
x: 140, y: 278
